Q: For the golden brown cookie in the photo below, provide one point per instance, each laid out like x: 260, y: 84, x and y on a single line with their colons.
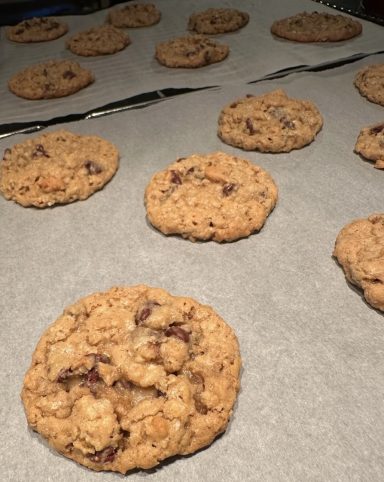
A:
x: 129, y: 377
x: 370, y: 144
x: 40, y: 29
x: 190, y: 52
x: 359, y: 249
x: 316, y: 27
x: 370, y: 83
x: 135, y: 15
x: 49, y: 80
x: 56, y: 168
x: 213, y: 197
x: 271, y: 122
x: 217, y: 20
x: 101, y: 40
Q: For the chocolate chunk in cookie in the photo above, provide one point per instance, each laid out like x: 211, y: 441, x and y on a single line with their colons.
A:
x: 216, y: 197
x: 115, y: 395
x: 271, y: 122
x: 370, y: 83
x: 40, y: 29
x: 370, y: 144
x: 217, y: 20
x: 102, y: 40
x: 190, y: 52
x: 49, y: 80
x: 316, y: 27
x: 359, y: 249
x: 56, y: 168
x: 134, y: 15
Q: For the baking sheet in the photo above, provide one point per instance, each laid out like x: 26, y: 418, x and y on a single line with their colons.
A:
x: 254, y: 53
x: 311, y: 402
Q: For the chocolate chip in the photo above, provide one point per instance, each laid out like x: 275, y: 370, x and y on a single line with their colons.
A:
x: 287, y: 123
x: 40, y: 151
x: 92, y: 167
x: 233, y: 105
x: 196, y: 379
x: 91, y: 377
x: 102, y: 358
x: 191, y: 53
x: 191, y: 313
x: 200, y: 406
x: 103, y: 456
x: 249, y: 125
x: 377, y: 129
x: 7, y: 152
x: 68, y: 74
x: 178, y: 333
x: 228, y: 188
x: 63, y: 375
x: 145, y: 312
x: 207, y: 57
x: 19, y: 31
x: 175, y: 178
x: 123, y: 384
x: 190, y: 170
x: 248, y: 96
x: 180, y: 159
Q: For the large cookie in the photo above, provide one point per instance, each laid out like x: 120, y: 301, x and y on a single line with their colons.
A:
x: 51, y: 79
x: 129, y: 377
x: 272, y: 122
x: 56, y: 168
x: 101, y: 40
x: 370, y: 144
x: 217, y: 20
x: 370, y: 83
x: 316, y: 27
x: 359, y: 249
x: 192, y: 51
x: 36, y: 30
x: 135, y: 15
x: 213, y: 197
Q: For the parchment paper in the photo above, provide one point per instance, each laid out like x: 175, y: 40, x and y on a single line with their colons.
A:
x: 254, y: 53
x: 311, y: 402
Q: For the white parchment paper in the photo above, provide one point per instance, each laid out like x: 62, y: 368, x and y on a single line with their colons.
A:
x: 311, y: 401
x: 254, y: 53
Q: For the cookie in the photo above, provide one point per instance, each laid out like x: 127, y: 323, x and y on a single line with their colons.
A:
x: 129, y: 377
x: 190, y: 52
x: 56, y: 168
x: 359, y: 249
x: 36, y: 30
x: 51, y: 79
x: 370, y: 83
x: 316, y: 27
x: 210, y: 197
x: 135, y: 15
x: 102, y: 40
x: 272, y: 122
x: 217, y: 20
x: 370, y: 144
